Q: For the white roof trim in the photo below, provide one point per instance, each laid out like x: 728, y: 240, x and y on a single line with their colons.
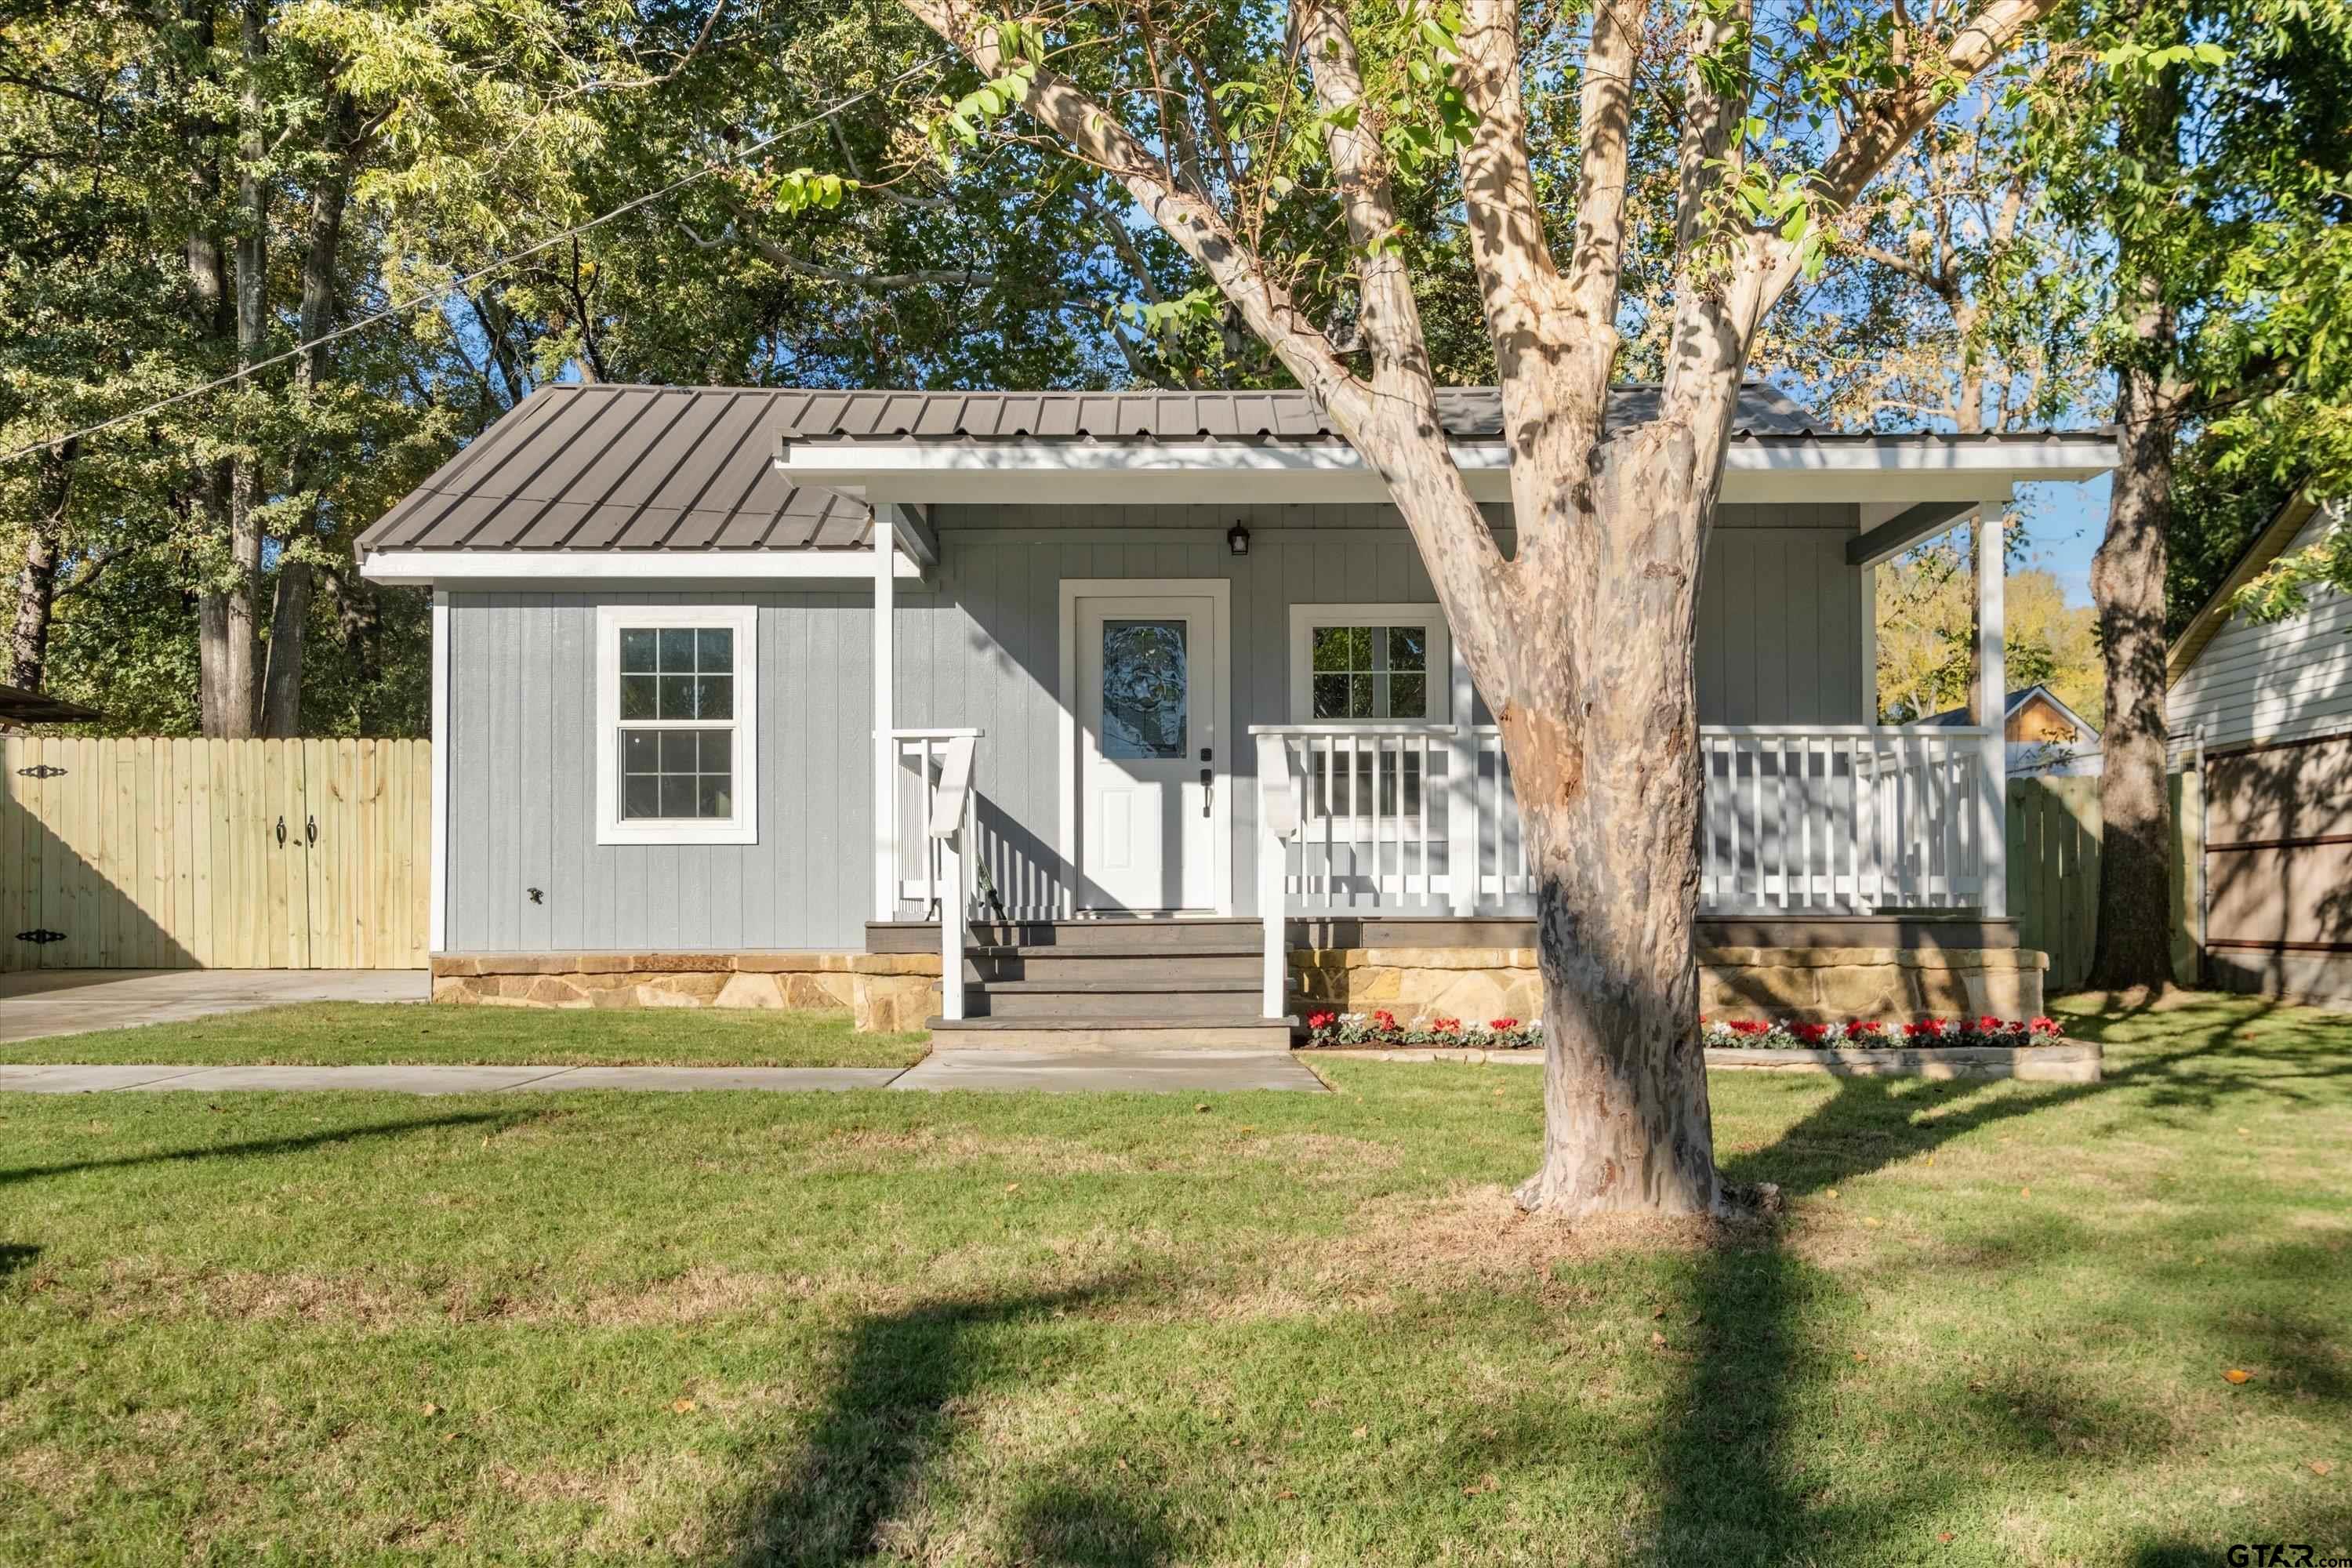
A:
x: 617, y: 568
x: 1781, y: 468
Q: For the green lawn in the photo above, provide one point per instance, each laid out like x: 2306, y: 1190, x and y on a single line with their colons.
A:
x: 325, y: 1033
x: 824, y: 1329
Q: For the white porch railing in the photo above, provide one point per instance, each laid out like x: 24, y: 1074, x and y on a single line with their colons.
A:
x: 1420, y: 819
x: 934, y: 796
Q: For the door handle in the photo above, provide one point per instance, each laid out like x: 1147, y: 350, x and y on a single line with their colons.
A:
x: 1208, y: 788
x: 281, y: 832
x: 311, y: 830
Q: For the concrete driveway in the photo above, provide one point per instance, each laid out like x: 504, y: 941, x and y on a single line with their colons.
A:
x: 35, y: 1004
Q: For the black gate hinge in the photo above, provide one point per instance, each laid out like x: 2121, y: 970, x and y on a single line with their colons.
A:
x: 40, y: 934
x: 43, y: 770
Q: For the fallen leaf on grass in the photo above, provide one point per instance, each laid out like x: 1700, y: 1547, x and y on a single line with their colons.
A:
x: 1011, y: 1186
x: 2321, y: 1467
x: 1118, y: 1464
x: 1486, y: 1483
x: 1285, y: 1494
x: 1361, y: 1432
x: 681, y: 1406
x: 431, y: 1410
x: 1944, y: 1536
x: 2237, y: 1374
x: 1657, y: 1341
x: 2025, y: 1192
x: 1200, y: 1108
x: 1830, y: 1194
x: 1860, y: 1359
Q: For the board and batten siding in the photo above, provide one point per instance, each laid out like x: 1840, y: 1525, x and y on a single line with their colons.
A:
x: 2282, y: 681
x: 1780, y: 641
x: 522, y: 787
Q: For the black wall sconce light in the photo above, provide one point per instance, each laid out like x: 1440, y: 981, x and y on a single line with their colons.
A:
x: 1238, y: 539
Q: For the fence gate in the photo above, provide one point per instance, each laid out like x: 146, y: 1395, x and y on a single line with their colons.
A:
x: 2054, y: 873
x: 187, y: 854
x: 2278, y: 860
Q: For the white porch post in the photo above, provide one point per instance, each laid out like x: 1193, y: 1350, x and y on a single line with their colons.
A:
x: 1462, y: 791
x: 886, y: 748
x: 1992, y: 813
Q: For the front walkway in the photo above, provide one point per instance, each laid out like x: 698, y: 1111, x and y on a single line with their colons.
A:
x: 1169, y: 1071
x: 38, y: 1003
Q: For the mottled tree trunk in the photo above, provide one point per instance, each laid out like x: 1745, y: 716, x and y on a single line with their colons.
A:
x: 1611, y: 809
x: 37, y: 579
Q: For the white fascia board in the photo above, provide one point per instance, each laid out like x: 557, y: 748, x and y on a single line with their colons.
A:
x: 561, y: 568
x: 1226, y: 471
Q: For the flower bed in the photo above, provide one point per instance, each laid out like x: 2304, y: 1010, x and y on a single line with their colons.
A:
x: 1383, y: 1030
x: 1864, y: 1033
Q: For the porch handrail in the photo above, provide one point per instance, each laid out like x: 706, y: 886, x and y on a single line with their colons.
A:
x: 1411, y: 817
x: 946, y: 761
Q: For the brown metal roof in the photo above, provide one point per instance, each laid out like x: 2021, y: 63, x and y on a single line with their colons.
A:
x: 624, y: 467
x: 18, y: 706
x: 1468, y: 413
x: 608, y: 467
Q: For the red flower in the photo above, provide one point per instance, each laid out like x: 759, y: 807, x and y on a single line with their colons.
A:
x: 1749, y: 1026
x: 1811, y: 1033
x: 2046, y: 1027
x: 1446, y: 1026
x: 1384, y: 1018
x: 1318, y: 1022
x: 1923, y: 1030
x: 1503, y: 1026
x: 1988, y: 1026
x: 1865, y: 1026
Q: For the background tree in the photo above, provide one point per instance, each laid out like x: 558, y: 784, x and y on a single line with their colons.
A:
x: 2208, y: 141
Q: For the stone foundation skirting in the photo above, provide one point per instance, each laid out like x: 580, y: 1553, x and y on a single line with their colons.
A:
x: 885, y: 991
x: 1824, y: 984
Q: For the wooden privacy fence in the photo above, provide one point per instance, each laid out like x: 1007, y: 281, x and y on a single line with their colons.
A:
x: 184, y: 854
x: 2054, y: 873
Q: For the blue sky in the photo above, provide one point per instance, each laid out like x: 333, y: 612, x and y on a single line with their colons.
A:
x: 2062, y: 524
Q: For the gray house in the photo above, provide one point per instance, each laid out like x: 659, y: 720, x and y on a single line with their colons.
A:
x: 1030, y: 709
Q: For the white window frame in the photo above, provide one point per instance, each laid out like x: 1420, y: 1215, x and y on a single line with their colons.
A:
x: 1438, y: 645
x: 743, y: 827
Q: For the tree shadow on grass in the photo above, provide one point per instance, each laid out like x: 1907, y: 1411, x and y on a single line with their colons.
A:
x: 895, y: 1406
x: 288, y: 1146
x: 1733, y: 1492
x: 15, y: 1256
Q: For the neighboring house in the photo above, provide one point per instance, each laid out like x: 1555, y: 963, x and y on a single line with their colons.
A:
x: 2273, y: 706
x: 2042, y: 736
x: 1126, y: 671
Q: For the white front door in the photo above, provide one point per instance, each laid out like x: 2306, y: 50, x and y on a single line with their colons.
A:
x: 1152, y: 761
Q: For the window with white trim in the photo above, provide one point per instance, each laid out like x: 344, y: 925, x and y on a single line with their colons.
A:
x: 677, y: 740
x: 1380, y: 666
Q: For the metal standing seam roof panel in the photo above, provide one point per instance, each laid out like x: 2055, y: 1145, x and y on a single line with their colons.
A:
x: 614, y: 467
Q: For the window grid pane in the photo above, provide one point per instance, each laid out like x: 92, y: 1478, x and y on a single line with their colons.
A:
x: 1369, y: 672
x: 677, y: 774
x: 677, y: 674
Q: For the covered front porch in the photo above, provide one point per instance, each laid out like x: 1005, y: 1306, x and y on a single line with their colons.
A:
x: 1822, y: 835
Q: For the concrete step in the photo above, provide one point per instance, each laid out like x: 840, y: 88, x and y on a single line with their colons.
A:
x: 1177, y: 1000
x: 1226, y: 1032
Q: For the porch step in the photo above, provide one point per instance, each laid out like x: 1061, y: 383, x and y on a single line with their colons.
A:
x: 1218, y: 1032
x: 1187, y: 999
x: 1208, y: 934
x: 1110, y: 966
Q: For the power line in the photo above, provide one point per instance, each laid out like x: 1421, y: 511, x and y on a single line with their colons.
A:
x: 405, y: 306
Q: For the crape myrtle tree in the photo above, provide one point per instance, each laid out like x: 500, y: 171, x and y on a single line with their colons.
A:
x: 1581, y: 639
